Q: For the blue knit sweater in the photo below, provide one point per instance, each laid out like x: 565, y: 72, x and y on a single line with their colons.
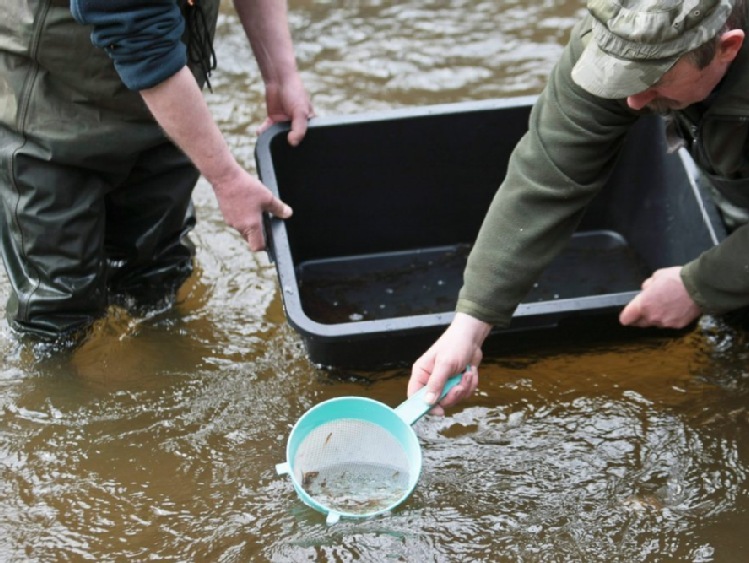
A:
x: 143, y: 37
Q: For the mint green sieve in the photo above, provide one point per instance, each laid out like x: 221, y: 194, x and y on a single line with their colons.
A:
x: 356, y: 457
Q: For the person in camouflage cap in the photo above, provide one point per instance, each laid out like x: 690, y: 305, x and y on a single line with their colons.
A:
x: 636, y: 43
x: 685, y: 59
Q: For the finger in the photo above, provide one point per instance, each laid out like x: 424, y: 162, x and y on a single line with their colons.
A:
x: 461, y: 390
x: 471, y: 379
x: 420, y: 376
x: 437, y: 410
x: 441, y: 373
x: 632, y: 312
x: 264, y: 125
x: 278, y: 208
x: 255, y: 239
x: 420, y: 372
x: 298, y: 127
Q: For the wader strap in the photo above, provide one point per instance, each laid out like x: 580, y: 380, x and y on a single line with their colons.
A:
x: 200, y: 44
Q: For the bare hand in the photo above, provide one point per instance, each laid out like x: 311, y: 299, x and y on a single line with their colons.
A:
x: 288, y: 102
x: 242, y: 201
x: 458, y: 347
x: 663, y: 302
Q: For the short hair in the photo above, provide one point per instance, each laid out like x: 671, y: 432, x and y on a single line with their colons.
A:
x: 705, y: 53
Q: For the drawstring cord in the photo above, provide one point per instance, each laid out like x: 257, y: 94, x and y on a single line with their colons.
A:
x: 200, y: 47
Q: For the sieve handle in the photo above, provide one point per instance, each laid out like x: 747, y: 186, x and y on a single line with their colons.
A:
x: 415, y: 407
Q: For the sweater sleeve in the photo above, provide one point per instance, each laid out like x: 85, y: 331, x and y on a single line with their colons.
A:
x: 142, y: 37
x: 560, y: 164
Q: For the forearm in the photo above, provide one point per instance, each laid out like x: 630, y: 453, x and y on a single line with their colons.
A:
x: 554, y: 172
x: 178, y: 106
x: 266, y: 24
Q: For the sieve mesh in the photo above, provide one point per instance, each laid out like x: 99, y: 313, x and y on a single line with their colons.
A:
x: 352, y: 466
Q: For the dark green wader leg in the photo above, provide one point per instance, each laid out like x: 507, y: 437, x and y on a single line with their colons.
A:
x: 149, y: 217
x: 71, y: 233
x: 53, y: 223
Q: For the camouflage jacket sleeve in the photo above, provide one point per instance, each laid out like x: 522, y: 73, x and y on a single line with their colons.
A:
x: 718, y: 280
x: 564, y: 159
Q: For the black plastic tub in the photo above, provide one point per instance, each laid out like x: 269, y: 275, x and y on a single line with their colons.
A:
x: 387, y: 206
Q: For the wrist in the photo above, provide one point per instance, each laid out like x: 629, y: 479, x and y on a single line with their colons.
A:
x: 225, y: 176
x: 476, y: 329
x: 281, y: 75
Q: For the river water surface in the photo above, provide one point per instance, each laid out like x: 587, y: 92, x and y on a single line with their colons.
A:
x: 158, y: 438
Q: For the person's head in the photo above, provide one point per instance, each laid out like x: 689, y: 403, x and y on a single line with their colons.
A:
x: 660, y: 54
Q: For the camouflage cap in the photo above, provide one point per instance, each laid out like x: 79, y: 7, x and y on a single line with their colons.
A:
x: 634, y: 42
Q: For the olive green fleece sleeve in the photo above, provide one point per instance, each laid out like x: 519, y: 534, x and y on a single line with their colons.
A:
x: 568, y: 153
x: 718, y: 280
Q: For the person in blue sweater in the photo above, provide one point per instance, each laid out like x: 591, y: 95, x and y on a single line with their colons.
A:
x: 104, y: 132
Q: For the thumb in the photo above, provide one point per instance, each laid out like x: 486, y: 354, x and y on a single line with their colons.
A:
x: 278, y: 208
x: 436, y: 383
x: 298, y: 128
x: 632, y: 311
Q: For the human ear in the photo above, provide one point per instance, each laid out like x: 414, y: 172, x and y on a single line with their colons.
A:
x: 730, y: 44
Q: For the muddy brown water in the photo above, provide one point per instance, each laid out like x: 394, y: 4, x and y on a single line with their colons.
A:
x: 158, y: 438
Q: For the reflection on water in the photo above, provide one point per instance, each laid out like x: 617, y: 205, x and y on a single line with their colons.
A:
x: 158, y: 438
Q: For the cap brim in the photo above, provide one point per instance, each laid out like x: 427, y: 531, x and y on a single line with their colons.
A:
x: 609, y: 77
